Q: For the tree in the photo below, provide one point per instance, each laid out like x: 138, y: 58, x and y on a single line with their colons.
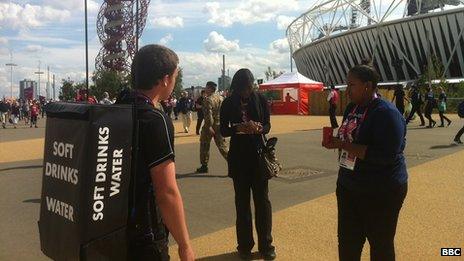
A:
x: 272, y: 74
x: 179, y: 87
x: 108, y: 81
x: 68, y: 90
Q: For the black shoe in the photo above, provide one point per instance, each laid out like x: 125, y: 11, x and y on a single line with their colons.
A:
x: 244, y: 255
x: 434, y: 123
x: 270, y: 255
x: 202, y: 169
x: 458, y: 141
x: 441, y: 126
x: 423, y: 124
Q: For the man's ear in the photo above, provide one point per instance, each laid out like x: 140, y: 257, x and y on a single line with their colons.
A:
x: 167, y: 79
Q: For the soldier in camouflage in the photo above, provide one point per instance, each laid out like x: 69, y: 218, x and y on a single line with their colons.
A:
x: 211, y: 129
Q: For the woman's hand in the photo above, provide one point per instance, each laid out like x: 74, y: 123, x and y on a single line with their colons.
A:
x: 335, y: 143
x: 250, y: 127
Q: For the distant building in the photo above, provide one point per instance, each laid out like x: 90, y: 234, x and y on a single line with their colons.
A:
x: 28, y: 88
x: 226, y: 85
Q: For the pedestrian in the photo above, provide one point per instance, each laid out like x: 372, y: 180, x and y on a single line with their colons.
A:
x: 289, y: 99
x: 211, y: 129
x: 34, y: 113
x: 416, y: 101
x: 429, y: 106
x: 333, y: 98
x: 106, y: 99
x: 174, y: 108
x: 442, y: 102
x: 245, y: 118
x: 15, y: 113
x: 42, y: 107
x: 372, y: 178
x: 184, y: 107
x: 25, y: 109
x: 4, y: 108
x: 166, y: 104
x: 457, y: 138
x: 398, y: 97
x: 199, y: 109
x: 157, y: 205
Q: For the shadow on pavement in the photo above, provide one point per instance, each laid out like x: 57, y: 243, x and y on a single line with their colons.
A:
x: 229, y: 256
x: 452, y: 145
x: 22, y: 167
x: 33, y: 200
x: 196, y: 175
x: 308, y: 130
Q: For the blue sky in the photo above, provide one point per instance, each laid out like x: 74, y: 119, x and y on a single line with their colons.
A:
x: 251, y: 33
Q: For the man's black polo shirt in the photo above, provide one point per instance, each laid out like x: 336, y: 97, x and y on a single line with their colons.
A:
x: 155, y: 146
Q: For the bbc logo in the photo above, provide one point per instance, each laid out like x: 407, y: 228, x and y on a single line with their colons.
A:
x: 451, y: 252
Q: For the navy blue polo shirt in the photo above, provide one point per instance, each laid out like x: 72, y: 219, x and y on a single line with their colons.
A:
x: 384, y: 132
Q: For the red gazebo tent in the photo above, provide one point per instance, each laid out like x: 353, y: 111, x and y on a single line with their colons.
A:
x: 290, y: 93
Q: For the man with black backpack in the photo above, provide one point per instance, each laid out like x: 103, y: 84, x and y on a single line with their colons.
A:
x: 157, y: 207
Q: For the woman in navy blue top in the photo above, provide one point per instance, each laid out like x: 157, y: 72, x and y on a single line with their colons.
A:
x: 372, y: 180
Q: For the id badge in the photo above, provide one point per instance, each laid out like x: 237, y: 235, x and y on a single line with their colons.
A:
x: 347, y: 161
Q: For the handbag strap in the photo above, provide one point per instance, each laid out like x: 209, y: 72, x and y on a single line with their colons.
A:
x: 260, y: 116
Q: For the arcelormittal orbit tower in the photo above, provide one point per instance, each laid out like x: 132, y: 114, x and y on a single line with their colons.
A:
x: 119, y: 25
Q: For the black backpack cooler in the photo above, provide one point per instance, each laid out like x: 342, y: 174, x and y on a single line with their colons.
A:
x: 87, y: 179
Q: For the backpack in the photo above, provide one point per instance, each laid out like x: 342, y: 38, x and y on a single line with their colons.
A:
x: 86, y: 181
x: 461, y: 109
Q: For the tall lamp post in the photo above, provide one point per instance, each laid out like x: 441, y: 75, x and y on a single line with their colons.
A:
x: 39, y: 73
x: 86, y: 51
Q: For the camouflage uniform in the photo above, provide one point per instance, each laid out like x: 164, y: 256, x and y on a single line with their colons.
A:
x: 211, y: 111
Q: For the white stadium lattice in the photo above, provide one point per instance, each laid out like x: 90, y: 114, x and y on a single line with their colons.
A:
x: 399, y: 37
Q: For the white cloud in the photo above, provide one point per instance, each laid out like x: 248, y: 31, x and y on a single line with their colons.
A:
x: 284, y: 21
x: 3, y: 41
x: 14, y: 16
x: 32, y: 48
x: 166, y: 39
x: 73, y: 5
x: 248, y: 11
x: 218, y: 43
x: 168, y: 22
x: 280, y: 46
x: 199, y: 68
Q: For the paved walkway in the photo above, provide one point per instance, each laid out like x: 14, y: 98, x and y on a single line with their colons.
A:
x: 304, y: 207
x: 431, y: 218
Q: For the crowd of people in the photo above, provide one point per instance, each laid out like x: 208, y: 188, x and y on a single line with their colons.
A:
x: 19, y: 111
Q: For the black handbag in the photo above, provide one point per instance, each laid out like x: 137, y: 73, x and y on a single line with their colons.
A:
x: 268, y: 163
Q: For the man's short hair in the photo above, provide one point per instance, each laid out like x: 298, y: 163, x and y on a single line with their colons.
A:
x: 211, y: 85
x: 151, y: 63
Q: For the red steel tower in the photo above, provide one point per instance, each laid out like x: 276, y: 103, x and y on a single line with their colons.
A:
x: 119, y: 26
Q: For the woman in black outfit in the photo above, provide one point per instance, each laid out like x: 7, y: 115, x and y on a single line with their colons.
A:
x: 372, y: 180
x: 245, y: 118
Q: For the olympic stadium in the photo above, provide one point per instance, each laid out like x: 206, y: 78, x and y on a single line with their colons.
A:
x: 399, y: 37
